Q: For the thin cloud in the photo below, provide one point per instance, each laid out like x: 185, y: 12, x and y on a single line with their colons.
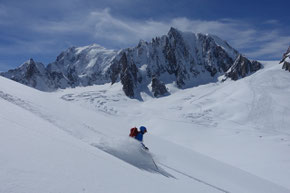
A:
x: 272, y: 21
x: 241, y: 35
x: 101, y: 26
x: 274, y: 48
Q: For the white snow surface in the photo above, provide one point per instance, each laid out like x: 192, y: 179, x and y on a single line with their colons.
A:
x: 84, y: 60
x: 225, y: 46
x: 220, y: 137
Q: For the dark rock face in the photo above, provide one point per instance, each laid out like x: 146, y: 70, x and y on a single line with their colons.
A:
x: 242, y: 67
x: 285, y: 55
x: 158, y: 87
x: 128, y: 76
x: 30, y: 73
x: 182, y: 58
x: 58, y: 79
x: 31, y: 69
x: 286, y: 66
x: 286, y: 60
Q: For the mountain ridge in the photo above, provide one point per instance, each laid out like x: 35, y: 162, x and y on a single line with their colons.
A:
x: 183, y: 58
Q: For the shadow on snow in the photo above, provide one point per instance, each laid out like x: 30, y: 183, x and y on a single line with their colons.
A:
x: 132, y: 152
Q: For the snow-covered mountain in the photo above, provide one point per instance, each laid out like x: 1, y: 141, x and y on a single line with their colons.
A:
x: 183, y: 58
x: 82, y: 66
x: 213, y: 138
x: 32, y: 74
x: 286, y: 60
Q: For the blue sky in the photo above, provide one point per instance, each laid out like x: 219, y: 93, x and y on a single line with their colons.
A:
x: 42, y: 29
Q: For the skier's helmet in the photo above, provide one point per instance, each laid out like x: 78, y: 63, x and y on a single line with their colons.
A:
x: 143, y: 129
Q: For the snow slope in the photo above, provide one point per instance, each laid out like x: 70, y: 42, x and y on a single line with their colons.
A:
x: 212, y: 138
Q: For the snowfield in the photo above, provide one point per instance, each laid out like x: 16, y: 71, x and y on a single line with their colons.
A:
x: 230, y: 137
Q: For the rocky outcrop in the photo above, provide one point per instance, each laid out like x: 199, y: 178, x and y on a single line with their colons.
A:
x: 286, y: 60
x: 128, y: 75
x: 242, y: 67
x: 181, y: 58
x: 158, y: 87
x: 286, y: 66
x: 32, y: 74
x: 185, y: 59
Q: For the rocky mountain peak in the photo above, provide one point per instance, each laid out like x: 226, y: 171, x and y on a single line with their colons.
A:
x: 173, y: 32
x: 30, y: 61
x: 30, y: 67
x: 27, y: 63
x: 286, y: 60
x: 32, y: 74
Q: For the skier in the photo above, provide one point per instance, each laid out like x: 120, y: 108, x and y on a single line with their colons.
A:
x: 138, y: 135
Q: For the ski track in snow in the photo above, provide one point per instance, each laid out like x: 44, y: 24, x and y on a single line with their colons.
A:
x: 133, y: 154
x: 262, y: 101
x: 195, y: 179
x: 143, y: 160
x: 31, y: 108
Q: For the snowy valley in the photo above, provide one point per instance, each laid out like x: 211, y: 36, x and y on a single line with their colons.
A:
x: 230, y: 136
